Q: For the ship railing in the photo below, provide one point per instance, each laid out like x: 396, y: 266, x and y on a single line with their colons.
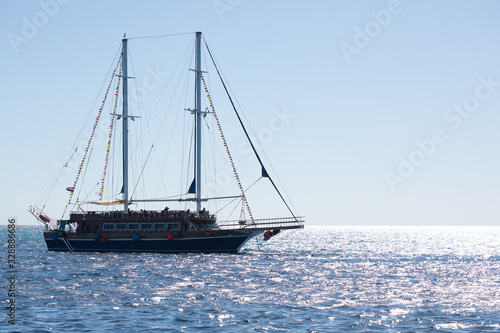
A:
x: 50, y: 224
x: 142, y: 214
x: 128, y: 231
x: 269, y: 223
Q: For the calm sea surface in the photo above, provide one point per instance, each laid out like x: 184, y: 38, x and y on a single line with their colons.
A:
x: 320, y: 279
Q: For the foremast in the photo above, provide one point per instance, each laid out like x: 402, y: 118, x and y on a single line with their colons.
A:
x: 125, y: 116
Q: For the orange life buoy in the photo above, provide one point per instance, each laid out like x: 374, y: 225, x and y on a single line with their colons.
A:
x: 267, y: 235
x: 170, y: 236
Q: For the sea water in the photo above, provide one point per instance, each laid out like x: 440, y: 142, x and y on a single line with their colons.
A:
x: 319, y: 279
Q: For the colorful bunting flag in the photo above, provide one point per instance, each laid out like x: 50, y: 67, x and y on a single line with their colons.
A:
x: 93, y: 129
x: 227, y: 150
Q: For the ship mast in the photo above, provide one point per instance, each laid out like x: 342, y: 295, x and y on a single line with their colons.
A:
x: 125, y: 126
x: 197, y: 114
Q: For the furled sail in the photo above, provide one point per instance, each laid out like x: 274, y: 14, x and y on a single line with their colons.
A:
x: 192, y: 188
x: 103, y: 202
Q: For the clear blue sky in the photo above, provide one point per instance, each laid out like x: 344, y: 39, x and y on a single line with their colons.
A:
x: 364, y: 80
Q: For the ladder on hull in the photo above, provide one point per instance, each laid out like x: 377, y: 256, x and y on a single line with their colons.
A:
x: 68, y: 245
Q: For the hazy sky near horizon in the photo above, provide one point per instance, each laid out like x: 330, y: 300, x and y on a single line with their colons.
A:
x: 392, y: 106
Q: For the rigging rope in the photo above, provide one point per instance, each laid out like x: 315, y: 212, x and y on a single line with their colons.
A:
x: 93, y: 131
x: 227, y: 149
x: 111, y: 126
x: 264, y: 171
x: 162, y: 36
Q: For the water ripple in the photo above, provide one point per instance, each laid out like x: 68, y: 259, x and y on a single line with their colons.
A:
x: 320, y: 279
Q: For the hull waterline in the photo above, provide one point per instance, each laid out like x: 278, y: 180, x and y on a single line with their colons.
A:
x: 222, y: 244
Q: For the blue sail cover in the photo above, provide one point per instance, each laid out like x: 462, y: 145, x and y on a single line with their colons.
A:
x: 264, y: 172
x: 192, y: 188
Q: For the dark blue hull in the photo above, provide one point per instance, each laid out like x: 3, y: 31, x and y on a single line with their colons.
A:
x: 226, y: 244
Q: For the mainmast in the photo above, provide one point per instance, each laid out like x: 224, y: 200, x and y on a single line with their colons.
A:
x: 197, y: 114
x: 125, y: 126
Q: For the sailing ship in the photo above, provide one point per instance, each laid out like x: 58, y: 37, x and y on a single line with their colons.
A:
x: 160, y: 230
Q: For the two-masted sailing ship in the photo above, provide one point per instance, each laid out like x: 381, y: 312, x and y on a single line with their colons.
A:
x: 128, y: 229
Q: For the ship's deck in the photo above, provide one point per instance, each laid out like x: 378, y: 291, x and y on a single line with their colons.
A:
x: 264, y: 224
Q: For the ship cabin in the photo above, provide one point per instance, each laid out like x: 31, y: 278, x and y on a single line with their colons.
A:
x: 142, y: 221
